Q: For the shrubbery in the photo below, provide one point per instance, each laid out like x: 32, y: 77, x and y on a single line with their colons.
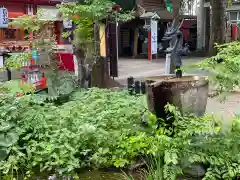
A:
x: 95, y: 128
x: 225, y: 74
x: 99, y: 128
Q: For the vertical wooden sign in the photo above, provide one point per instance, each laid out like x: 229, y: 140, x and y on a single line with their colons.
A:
x: 113, y: 48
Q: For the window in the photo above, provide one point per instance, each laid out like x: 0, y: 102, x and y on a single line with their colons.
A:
x: 11, y: 34
x: 234, y: 16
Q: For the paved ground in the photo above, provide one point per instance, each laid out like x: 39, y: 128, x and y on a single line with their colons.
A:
x: 140, y: 68
x: 143, y: 68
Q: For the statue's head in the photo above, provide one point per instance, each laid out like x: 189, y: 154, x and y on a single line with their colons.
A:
x: 169, y: 27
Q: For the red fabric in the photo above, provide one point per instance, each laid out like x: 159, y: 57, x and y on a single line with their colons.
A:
x: 184, y: 28
x: 234, y: 32
x: 14, y: 14
x: 15, y: 10
x: 66, y: 61
x: 43, y: 83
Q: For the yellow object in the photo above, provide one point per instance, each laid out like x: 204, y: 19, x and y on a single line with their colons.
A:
x: 102, y: 40
x: 229, y: 3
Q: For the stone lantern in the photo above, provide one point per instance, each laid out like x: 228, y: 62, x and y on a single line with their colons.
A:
x: 151, y: 25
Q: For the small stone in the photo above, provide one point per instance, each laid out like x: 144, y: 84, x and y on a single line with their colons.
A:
x: 195, y: 170
x: 115, y: 88
x: 54, y: 177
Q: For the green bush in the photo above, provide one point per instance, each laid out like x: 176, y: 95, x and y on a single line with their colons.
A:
x: 95, y: 128
x: 197, y: 140
x: 8, y: 137
x: 99, y: 128
x: 225, y: 75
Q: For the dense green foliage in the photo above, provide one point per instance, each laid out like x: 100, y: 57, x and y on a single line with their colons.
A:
x: 8, y: 137
x: 193, y: 140
x: 201, y: 140
x: 16, y: 61
x: 95, y: 128
x: 90, y: 11
x: 99, y: 128
x: 225, y: 75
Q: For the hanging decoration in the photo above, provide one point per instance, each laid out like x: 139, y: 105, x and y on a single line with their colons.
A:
x: 3, y: 17
x: 169, y: 5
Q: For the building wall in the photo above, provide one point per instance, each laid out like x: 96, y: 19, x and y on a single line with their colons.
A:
x: 152, y: 4
x: 17, y: 8
x: 234, y: 13
x: 204, y: 24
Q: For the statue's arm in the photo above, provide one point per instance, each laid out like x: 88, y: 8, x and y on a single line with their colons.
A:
x: 166, y: 38
x: 179, y: 36
x: 171, y: 32
x: 168, y: 35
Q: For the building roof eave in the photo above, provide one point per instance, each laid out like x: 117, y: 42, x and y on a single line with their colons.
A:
x: 163, y: 13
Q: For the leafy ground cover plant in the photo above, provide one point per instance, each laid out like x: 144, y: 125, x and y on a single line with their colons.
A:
x: 99, y: 128
x: 224, y: 67
x: 194, y: 141
x: 95, y: 128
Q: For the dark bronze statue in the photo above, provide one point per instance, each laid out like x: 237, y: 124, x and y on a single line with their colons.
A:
x: 175, y: 49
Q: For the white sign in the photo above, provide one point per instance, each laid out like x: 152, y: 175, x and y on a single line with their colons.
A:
x: 3, y: 18
x: 48, y: 13
x: 1, y: 62
x: 67, y: 24
x: 30, y: 9
x: 154, y: 36
x: 168, y: 64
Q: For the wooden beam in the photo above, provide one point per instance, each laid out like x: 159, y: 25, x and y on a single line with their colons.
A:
x: 149, y: 46
x: 113, y: 50
x: 135, y: 43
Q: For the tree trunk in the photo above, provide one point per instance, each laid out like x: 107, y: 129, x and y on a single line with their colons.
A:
x: 100, y: 73
x: 217, y: 24
x: 80, y: 62
x: 98, y: 68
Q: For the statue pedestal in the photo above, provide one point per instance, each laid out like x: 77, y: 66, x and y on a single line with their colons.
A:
x: 168, y: 64
x: 189, y: 94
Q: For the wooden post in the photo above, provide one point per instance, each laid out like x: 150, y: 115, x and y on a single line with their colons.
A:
x: 113, y: 50
x: 149, y: 46
x: 234, y: 32
x: 102, y: 40
x: 98, y: 73
x: 135, y: 44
